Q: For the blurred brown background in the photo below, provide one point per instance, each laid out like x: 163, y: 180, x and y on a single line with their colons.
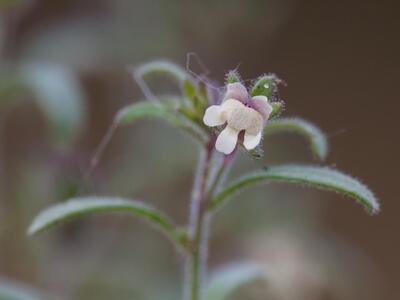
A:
x: 340, y: 60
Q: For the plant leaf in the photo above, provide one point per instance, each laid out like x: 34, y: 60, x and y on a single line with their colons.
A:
x: 10, y: 290
x: 142, y: 110
x: 161, y: 67
x: 189, y: 89
x: 320, y: 177
x: 157, y: 67
x: 231, y: 277
x: 59, y: 95
x: 313, y: 134
x: 81, y: 206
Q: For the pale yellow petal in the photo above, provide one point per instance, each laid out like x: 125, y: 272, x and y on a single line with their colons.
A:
x: 228, y: 106
x: 227, y: 140
x: 213, y: 116
x: 246, y: 118
x: 251, y: 141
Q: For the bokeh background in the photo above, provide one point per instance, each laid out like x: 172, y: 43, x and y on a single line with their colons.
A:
x: 340, y: 60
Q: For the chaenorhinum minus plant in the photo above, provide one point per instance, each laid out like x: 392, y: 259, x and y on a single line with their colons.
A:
x: 222, y: 122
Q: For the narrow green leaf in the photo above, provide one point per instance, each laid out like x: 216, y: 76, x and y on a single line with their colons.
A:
x: 10, y: 290
x: 81, y: 206
x: 161, y: 67
x: 142, y: 110
x: 313, y: 134
x: 189, y: 89
x: 59, y: 95
x: 315, y: 176
x: 198, y: 99
x: 231, y: 277
x: 153, y: 68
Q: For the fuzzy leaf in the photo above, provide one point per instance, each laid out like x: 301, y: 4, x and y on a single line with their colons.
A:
x: 266, y: 85
x: 60, y: 96
x: 313, y: 134
x: 231, y: 277
x: 161, y: 67
x: 16, y: 291
x: 315, y: 176
x: 142, y: 110
x: 81, y: 206
x: 157, y: 67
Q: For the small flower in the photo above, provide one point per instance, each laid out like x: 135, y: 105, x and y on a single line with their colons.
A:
x: 241, y: 113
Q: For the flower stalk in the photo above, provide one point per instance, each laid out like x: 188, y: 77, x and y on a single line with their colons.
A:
x: 198, y: 228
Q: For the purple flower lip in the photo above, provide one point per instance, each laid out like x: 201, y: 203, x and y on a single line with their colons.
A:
x: 250, y: 103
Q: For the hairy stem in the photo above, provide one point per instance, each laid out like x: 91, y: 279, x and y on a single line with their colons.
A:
x: 219, y: 177
x: 196, y: 260
x: 206, y: 183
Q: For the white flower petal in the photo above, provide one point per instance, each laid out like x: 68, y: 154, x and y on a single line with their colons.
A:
x: 229, y: 105
x: 226, y: 141
x: 236, y: 91
x: 261, y: 104
x: 213, y: 116
x: 251, y: 141
x: 246, y: 118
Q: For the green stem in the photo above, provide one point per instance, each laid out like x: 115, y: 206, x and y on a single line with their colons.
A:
x: 199, y: 258
x: 218, y: 178
x: 196, y: 261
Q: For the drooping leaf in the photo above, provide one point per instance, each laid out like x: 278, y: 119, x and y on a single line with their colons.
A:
x: 313, y: 134
x: 82, y: 206
x: 11, y: 290
x: 142, y: 110
x: 315, y: 176
x: 60, y: 96
x: 153, y: 68
x: 161, y: 67
x: 231, y: 277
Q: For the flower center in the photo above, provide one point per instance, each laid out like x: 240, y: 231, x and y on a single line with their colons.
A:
x: 245, y: 118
